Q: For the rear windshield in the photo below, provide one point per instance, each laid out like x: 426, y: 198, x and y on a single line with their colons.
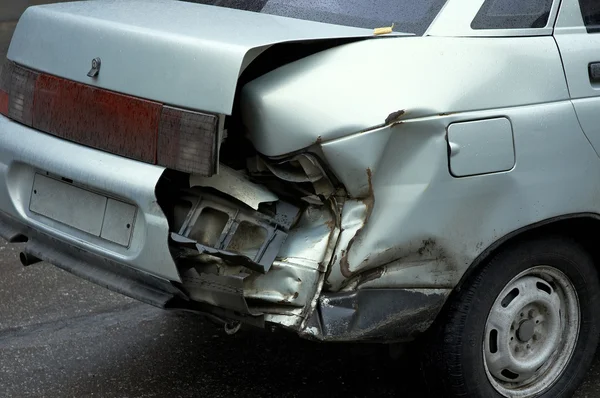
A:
x: 409, y: 16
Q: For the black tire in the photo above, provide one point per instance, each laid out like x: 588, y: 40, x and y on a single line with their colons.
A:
x: 453, y: 361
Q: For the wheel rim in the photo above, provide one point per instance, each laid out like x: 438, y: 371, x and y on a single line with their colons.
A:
x: 531, y: 332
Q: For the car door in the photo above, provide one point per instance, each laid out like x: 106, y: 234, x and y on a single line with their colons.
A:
x: 577, y: 34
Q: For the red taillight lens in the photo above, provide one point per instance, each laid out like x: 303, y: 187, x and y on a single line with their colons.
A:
x: 101, y: 119
x: 128, y: 126
x: 6, y: 69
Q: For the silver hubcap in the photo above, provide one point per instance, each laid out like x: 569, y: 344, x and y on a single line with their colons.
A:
x: 531, y: 332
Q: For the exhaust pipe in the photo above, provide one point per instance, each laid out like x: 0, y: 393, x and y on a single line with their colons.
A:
x: 232, y: 328
x: 28, y: 259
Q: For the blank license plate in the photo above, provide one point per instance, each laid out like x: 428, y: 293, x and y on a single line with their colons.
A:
x: 82, y: 209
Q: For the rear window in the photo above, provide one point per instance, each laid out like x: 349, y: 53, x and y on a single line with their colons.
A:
x: 591, y: 14
x: 409, y: 16
x: 513, y: 14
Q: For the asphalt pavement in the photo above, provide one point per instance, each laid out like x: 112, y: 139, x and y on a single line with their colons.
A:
x: 63, y: 337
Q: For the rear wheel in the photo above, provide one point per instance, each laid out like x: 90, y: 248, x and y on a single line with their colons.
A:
x: 523, y: 326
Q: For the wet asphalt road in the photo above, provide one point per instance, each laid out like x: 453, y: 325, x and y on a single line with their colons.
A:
x: 64, y: 337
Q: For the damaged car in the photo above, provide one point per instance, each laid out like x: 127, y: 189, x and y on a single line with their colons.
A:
x: 394, y: 171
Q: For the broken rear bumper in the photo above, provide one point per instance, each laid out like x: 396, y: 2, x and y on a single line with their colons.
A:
x: 27, y: 155
x: 102, y: 271
x: 110, y: 274
x: 285, y: 290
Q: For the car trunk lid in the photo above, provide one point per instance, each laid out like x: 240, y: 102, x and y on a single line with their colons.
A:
x: 149, y: 80
x: 182, y: 54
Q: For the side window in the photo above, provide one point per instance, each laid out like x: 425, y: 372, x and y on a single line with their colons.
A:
x: 513, y: 14
x: 591, y: 14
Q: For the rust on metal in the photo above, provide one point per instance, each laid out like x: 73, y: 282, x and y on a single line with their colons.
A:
x: 330, y: 224
x: 395, y: 117
x: 289, y: 300
x: 425, y: 249
x: 369, y: 201
x: 371, y: 275
x: 344, y: 264
x: 427, y: 246
x: 418, y: 251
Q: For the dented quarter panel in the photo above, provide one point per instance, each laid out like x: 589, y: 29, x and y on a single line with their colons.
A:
x: 378, y: 315
x: 354, y: 216
x: 424, y: 76
x: 427, y: 227
x: 351, y: 157
x: 426, y: 274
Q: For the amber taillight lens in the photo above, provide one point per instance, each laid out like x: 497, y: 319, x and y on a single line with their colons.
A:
x: 133, y: 127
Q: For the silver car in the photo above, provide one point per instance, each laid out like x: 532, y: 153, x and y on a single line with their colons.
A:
x: 355, y: 170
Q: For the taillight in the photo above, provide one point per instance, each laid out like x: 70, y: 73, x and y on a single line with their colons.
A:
x: 128, y: 126
x: 6, y: 69
x: 187, y: 140
x: 21, y: 95
x: 101, y: 119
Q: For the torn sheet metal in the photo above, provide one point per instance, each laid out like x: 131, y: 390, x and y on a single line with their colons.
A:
x: 307, y: 243
x: 261, y: 262
x: 354, y: 216
x: 351, y: 156
x: 286, y: 284
x: 291, y: 321
x: 286, y: 215
x: 292, y: 281
x: 222, y: 229
x: 297, y: 275
x: 381, y: 315
x: 302, y: 168
x: 226, y: 291
x: 235, y: 184
x: 290, y: 174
